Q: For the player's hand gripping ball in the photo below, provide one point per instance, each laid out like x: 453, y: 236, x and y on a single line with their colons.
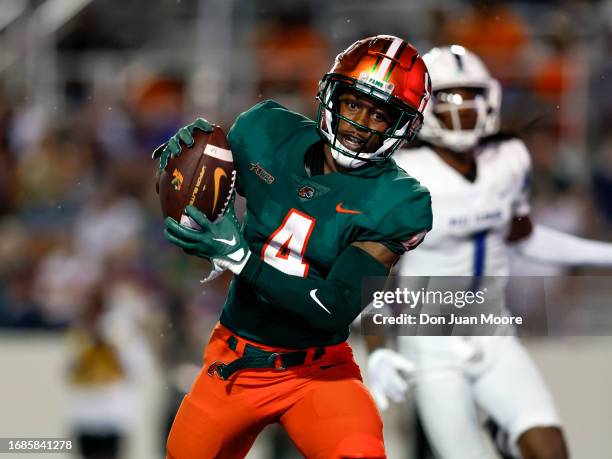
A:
x: 196, y: 168
x: 221, y: 242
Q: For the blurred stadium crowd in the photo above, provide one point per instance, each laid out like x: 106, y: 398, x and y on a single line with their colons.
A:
x: 87, y: 90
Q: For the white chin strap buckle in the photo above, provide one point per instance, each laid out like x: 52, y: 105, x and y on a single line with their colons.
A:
x: 346, y: 161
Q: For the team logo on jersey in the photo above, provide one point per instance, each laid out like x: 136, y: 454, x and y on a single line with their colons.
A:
x: 306, y: 192
x: 262, y: 173
x: 177, y: 181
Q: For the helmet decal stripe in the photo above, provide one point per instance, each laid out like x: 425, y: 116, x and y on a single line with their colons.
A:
x: 458, y: 52
x: 390, y: 54
x: 385, y: 47
x: 459, y: 61
x: 400, y: 51
x: 396, y: 59
x: 376, y: 64
x: 380, y: 54
x: 388, y: 75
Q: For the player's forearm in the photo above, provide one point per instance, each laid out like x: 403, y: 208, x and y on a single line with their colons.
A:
x: 328, y: 304
x: 551, y: 246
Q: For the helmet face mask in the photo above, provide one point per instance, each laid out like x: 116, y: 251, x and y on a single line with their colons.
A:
x: 403, y: 124
x: 461, y: 114
x: 459, y: 109
x: 388, y: 73
x: 466, y: 100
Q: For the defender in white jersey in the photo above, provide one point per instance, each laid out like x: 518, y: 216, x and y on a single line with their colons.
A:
x: 472, y: 217
x: 479, y: 182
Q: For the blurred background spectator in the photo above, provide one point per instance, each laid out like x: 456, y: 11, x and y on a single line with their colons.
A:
x: 107, y: 355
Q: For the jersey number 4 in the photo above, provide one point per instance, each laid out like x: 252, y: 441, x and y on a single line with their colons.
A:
x: 286, y: 246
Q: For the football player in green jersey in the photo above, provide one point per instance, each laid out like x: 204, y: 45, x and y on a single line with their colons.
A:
x: 326, y: 207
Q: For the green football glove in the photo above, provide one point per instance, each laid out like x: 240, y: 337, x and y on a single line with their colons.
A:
x: 222, y: 243
x: 184, y: 135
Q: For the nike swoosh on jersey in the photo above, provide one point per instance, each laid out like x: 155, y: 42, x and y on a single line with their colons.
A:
x: 231, y: 242
x: 313, y: 295
x: 342, y: 210
x: 219, y: 172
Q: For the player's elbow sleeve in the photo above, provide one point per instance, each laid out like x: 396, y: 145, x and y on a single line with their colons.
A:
x: 355, y: 275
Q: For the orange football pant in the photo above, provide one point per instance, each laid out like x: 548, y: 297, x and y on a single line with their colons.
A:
x: 323, y: 405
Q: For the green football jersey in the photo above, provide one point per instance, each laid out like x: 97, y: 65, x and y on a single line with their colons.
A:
x: 300, y: 224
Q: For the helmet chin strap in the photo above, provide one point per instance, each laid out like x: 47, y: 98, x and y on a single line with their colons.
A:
x: 346, y: 161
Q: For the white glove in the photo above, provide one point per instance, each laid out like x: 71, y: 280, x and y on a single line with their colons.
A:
x: 388, y: 376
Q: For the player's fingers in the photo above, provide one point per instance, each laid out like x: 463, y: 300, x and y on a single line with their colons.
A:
x: 188, y: 222
x: 158, y: 151
x: 403, y: 364
x: 163, y: 161
x: 396, y: 395
x: 203, y: 125
x: 185, y: 136
x: 180, y: 231
x: 396, y: 383
x: 173, y: 146
x: 185, y: 245
x: 198, y: 217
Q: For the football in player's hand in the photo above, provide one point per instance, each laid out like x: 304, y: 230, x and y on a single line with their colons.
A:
x: 203, y: 175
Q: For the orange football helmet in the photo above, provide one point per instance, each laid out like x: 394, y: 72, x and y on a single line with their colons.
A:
x: 387, y: 69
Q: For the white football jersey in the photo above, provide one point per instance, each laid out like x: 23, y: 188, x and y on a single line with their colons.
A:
x: 456, y: 375
x: 470, y: 219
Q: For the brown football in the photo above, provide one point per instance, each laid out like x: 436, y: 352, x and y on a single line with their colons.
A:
x: 203, y: 175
